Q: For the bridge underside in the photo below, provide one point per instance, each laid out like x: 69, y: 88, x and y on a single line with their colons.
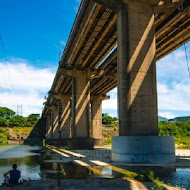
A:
x: 116, y: 43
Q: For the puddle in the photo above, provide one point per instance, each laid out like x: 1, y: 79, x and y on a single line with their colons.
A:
x: 73, y: 171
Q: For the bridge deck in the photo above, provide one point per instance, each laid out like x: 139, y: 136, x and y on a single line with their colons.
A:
x: 94, y: 35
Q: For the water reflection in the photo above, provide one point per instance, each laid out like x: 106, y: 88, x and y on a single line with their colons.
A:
x: 17, y: 151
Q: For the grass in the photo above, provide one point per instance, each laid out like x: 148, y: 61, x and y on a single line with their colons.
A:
x: 183, y: 142
x: 145, y: 176
x: 179, y: 129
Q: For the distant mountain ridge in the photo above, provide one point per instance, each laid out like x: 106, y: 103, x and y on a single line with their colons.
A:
x: 185, y: 118
x: 160, y: 118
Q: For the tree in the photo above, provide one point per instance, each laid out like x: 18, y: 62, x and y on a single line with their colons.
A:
x: 4, y: 122
x: 18, y: 121
x: 33, y: 119
x: 6, y: 112
x: 108, y: 119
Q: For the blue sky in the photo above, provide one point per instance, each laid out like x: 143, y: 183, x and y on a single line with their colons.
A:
x: 32, y: 31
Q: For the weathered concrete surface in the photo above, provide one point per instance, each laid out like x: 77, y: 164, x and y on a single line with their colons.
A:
x: 81, y: 143
x: 55, y: 122
x: 65, y: 128
x: 57, y: 142
x: 80, y: 104
x: 48, y: 126
x: 137, y: 91
x: 96, y: 120
x: 143, y: 149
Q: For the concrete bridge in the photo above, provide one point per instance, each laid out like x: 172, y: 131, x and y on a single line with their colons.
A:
x: 116, y: 43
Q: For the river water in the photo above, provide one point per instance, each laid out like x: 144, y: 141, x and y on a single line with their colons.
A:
x: 24, y: 156
x: 27, y: 159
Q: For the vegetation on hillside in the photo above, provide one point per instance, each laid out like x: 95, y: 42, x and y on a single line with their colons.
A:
x: 13, y: 132
x: 179, y: 129
x: 15, y: 126
x: 9, y: 119
x: 186, y: 118
x: 110, y: 128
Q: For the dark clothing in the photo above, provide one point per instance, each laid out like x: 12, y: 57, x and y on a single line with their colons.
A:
x: 14, y: 176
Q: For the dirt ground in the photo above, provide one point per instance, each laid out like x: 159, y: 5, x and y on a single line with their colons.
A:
x: 88, y: 184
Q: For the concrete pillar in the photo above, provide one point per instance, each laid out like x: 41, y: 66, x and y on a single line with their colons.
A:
x: 137, y: 93
x: 65, y: 119
x: 80, y: 104
x: 55, y: 122
x: 48, y: 126
x: 80, y: 110
x: 51, y: 122
x: 96, y: 118
x: 61, y: 120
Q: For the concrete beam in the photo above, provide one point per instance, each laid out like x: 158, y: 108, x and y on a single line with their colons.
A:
x: 187, y: 10
x: 66, y: 72
x: 159, y: 6
x: 62, y: 97
x: 96, y: 74
x: 166, y: 6
x: 111, y: 4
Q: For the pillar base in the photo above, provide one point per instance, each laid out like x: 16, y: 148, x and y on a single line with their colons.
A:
x: 99, y: 142
x: 81, y: 143
x: 57, y: 142
x: 143, y: 149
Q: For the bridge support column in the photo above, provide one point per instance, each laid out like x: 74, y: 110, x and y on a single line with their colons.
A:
x: 96, y: 119
x: 138, y: 139
x: 48, y: 126
x: 65, y: 119
x: 55, y: 122
x: 51, y: 122
x: 80, y: 111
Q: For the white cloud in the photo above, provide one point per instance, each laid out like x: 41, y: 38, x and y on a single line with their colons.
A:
x: 112, y: 102
x: 167, y: 115
x: 173, y: 82
x: 173, y: 67
x: 29, y: 83
x: 174, y: 97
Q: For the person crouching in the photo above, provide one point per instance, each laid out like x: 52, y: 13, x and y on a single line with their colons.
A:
x: 13, y: 177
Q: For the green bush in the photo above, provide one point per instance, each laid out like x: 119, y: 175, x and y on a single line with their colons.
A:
x: 4, y: 122
x: 179, y: 129
x: 107, y: 141
x: 110, y: 125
